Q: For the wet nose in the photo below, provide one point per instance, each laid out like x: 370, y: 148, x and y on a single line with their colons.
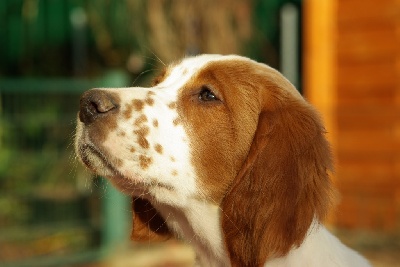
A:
x: 95, y: 104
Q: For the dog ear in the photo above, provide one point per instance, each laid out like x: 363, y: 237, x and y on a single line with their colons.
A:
x: 147, y: 225
x: 282, y: 186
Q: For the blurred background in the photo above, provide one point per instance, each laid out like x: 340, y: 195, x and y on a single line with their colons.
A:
x: 343, y: 55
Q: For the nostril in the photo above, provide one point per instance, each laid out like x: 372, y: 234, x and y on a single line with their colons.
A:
x: 94, y: 104
x: 102, y: 105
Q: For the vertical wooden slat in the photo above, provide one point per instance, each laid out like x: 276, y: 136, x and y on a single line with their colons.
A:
x: 397, y: 104
x: 319, y: 62
x: 319, y: 59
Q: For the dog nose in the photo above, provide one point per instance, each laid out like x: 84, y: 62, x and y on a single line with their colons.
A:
x: 96, y: 103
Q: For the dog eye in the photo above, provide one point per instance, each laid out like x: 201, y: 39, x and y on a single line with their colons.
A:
x: 207, y: 95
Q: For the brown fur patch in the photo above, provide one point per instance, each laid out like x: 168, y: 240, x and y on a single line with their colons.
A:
x: 128, y: 112
x: 141, y: 137
x: 220, y: 132
x: 144, y: 131
x: 138, y: 104
x: 176, y: 121
x: 172, y: 105
x: 155, y: 123
x: 287, y: 166
x: 158, y: 148
x: 149, y: 101
x: 140, y: 120
x: 143, y: 142
x: 145, y: 161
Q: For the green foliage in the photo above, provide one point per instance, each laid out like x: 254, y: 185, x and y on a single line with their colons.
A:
x: 36, y: 153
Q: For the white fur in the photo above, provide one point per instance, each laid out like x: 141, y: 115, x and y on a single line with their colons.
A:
x: 320, y: 248
x: 198, y: 223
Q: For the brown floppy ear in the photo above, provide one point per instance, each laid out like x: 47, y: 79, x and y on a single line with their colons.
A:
x: 282, y: 186
x: 148, y: 225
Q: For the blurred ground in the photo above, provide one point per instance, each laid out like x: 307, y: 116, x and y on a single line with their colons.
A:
x: 384, y: 258
x: 381, y: 251
x: 168, y: 254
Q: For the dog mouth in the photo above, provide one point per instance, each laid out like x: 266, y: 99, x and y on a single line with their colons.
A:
x: 99, y: 163
x: 95, y: 160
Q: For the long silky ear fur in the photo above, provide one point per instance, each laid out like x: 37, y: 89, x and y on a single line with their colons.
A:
x: 281, y: 188
x: 147, y: 225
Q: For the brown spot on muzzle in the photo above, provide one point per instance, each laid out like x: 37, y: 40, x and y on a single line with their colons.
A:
x: 172, y: 105
x: 141, y: 119
x: 138, y: 104
x: 128, y: 112
x: 155, y: 123
x: 141, y: 137
x: 143, y: 142
x: 145, y: 161
x: 158, y: 148
x: 149, y: 101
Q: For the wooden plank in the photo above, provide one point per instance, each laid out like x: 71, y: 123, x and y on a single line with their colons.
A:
x: 367, y: 44
x: 319, y: 59
x: 368, y: 144
x: 354, y: 11
x: 367, y: 76
x: 367, y: 96
x: 360, y: 89
x: 368, y: 173
x: 365, y: 119
x: 319, y: 55
x: 367, y: 211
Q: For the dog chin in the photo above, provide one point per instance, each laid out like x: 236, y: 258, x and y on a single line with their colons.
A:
x: 96, y: 161
x: 127, y: 186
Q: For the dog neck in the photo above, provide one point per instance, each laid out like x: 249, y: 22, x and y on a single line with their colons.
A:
x: 198, y: 223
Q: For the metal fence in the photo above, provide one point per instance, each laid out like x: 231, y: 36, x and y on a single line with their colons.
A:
x: 52, y: 212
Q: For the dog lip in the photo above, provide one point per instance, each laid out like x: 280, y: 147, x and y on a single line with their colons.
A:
x: 89, y: 148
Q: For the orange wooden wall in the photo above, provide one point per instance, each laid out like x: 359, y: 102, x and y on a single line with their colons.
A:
x: 352, y: 75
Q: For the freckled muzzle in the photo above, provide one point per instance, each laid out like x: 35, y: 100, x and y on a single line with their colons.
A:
x: 95, y: 104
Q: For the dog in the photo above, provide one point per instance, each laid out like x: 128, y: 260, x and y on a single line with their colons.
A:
x: 221, y: 151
